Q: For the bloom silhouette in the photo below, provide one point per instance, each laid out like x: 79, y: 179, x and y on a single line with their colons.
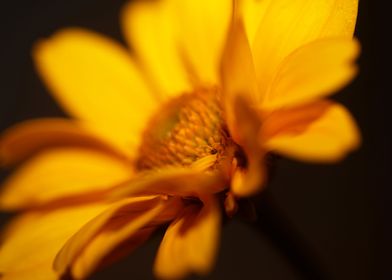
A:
x: 167, y: 133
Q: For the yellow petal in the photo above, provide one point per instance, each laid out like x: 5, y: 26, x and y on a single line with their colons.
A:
x: 56, y: 174
x: 149, y: 27
x: 130, y: 220
x: 248, y: 179
x: 289, y: 24
x: 202, y: 30
x: 342, y: 19
x: 190, y: 243
x: 237, y: 69
x: 253, y: 13
x: 29, y: 137
x: 177, y: 181
x: 316, y: 132
x: 313, y: 71
x: 31, y: 242
x: 97, y: 81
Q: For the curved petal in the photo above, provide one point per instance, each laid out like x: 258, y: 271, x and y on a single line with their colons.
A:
x: 31, y: 242
x: 190, y: 243
x: 28, y: 138
x: 149, y: 27
x: 316, y: 132
x: 249, y: 176
x: 313, y: 71
x: 288, y: 25
x: 131, y: 220
x: 177, y: 181
x: 96, y: 80
x: 56, y: 174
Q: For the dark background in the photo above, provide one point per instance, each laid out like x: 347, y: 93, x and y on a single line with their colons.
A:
x: 340, y: 210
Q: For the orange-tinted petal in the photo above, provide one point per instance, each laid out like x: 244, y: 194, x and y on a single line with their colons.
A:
x: 29, y: 137
x: 177, y: 181
x: 190, y: 243
x: 63, y: 172
x: 289, y: 24
x: 150, y: 28
x: 250, y: 178
x: 237, y: 69
x: 315, y: 70
x: 31, y: 242
x: 321, y: 132
x: 132, y: 222
x: 96, y: 80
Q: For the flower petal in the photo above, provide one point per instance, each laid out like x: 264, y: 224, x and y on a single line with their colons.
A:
x: 317, y: 132
x: 190, y: 243
x: 96, y: 80
x: 289, y: 24
x: 253, y: 13
x: 131, y: 220
x: 29, y: 137
x: 237, y: 69
x: 313, y: 71
x: 149, y: 27
x: 248, y: 178
x: 178, y: 181
x: 31, y: 242
x: 56, y: 174
x: 202, y: 30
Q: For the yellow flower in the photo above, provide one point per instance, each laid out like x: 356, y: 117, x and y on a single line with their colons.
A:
x: 165, y: 134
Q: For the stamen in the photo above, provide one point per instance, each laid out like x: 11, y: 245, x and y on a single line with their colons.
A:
x: 186, y: 129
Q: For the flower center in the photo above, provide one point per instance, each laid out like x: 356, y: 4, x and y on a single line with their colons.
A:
x: 186, y: 129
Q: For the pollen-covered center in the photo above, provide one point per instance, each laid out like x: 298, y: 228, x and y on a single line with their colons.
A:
x: 186, y: 129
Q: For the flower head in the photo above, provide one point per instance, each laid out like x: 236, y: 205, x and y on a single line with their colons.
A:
x: 168, y: 133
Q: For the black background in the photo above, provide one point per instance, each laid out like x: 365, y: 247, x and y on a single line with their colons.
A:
x: 340, y: 210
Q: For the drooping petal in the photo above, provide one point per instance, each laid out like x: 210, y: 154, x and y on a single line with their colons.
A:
x: 315, y: 70
x: 56, y: 174
x: 249, y: 176
x: 202, y: 30
x: 27, y: 138
x: 31, y: 242
x: 150, y: 28
x: 190, y: 243
x: 130, y: 220
x: 317, y: 132
x: 179, y: 181
x: 96, y: 80
x: 288, y: 25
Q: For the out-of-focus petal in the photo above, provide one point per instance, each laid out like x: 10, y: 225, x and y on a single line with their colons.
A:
x: 317, y: 132
x: 342, y: 20
x: 250, y: 175
x: 56, y: 174
x: 313, y: 71
x: 190, y: 243
x: 31, y: 242
x: 130, y: 221
x: 202, y: 31
x: 150, y: 28
x: 178, y: 181
x: 253, y: 13
x: 289, y: 24
x: 96, y: 80
x: 29, y: 137
x: 237, y: 70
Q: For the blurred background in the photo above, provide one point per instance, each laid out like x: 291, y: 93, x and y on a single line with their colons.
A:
x: 341, y: 211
